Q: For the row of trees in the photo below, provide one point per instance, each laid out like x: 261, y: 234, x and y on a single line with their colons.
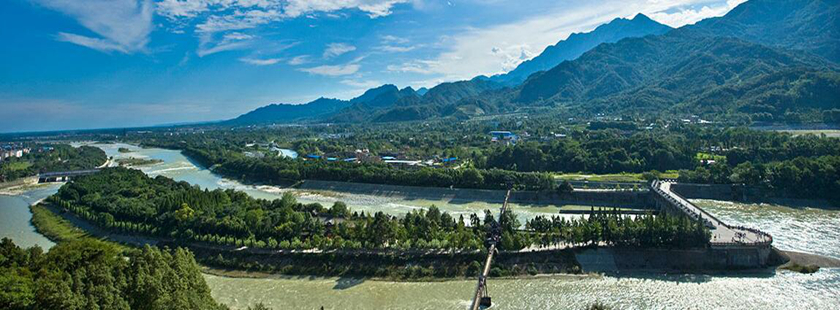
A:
x: 279, y: 169
x: 611, y: 228
x: 802, y: 177
x: 599, y: 149
x: 128, y: 200
x: 94, y: 275
x: 609, y: 151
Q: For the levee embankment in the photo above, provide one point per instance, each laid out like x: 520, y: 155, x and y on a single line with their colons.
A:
x: 607, y: 198
x: 748, y: 194
x: 621, y: 259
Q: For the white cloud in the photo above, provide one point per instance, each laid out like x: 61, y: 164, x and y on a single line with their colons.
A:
x: 498, y: 49
x: 260, y: 62
x: 94, y: 43
x: 122, y: 25
x: 490, y: 51
x: 337, y: 70
x: 394, y: 44
x: 688, y: 16
x: 374, y: 8
x: 229, y: 41
x: 176, y: 9
x: 361, y: 84
x: 337, y: 49
x: 299, y: 60
x: 223, y: 15
x: 394, y: 39
x: 396, y: 49
x: 239, y: 20
x: 219, y: 16
x: 414, y: 66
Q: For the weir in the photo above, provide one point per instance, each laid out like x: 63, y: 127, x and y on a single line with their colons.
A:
x: 63, y: 176
x: 740, y: 246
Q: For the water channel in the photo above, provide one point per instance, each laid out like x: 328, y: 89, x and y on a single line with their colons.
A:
x: 801, y: 229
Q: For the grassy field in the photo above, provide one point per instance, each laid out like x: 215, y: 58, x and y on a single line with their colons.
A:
x: 615, y: 177
x: 705, y: 156
x: 18, y: 165
x: 58, y: 229
x: 55, y: 227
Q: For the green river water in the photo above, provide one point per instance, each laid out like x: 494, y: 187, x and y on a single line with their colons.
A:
x: 800, y: 229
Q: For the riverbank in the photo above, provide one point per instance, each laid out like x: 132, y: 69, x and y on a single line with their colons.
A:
x: 806, y: 259
x: 59, y: 226
x: 19, y: 186
x: 636, y: 201
x: 422, y: 266
x: 748, y: 194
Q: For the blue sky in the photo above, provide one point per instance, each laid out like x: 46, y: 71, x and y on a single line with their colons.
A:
x: 73, y: 64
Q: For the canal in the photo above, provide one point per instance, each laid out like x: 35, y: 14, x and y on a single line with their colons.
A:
x: 800, y: 229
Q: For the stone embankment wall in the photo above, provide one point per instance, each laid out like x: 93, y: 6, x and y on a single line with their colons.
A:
x: 712, y: 191
x: 626, y: 199
x: 630, y: 259
x: 743, y: 193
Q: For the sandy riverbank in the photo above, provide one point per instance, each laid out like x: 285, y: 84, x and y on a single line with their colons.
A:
x: 19, y: 186
x: 807, y: 259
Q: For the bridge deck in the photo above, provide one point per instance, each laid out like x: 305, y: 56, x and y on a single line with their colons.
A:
x: 482, y: 279
x: 67, y: 173
x: 721, y: 232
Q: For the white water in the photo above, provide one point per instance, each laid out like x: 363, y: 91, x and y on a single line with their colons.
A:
x: 805, y: 230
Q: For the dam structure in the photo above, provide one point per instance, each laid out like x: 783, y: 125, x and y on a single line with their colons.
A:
x: 734, y: 246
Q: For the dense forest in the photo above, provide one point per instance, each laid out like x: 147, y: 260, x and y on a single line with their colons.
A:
x: 59, y: 157
x: 95, y: 275
x: 127, y: 200
x: 801, y: 177
x: 704, y: 154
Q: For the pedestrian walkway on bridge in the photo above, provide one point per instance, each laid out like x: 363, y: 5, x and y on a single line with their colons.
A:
x: 722, y: 234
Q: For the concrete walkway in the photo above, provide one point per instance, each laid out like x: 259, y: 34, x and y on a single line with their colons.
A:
x: 722, y: 233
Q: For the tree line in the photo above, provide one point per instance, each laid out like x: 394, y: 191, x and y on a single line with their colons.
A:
x: 274, y: 170
x: 801, y: 177
x: 612, y: 228
x: 127, y: 200
x: 95, y: 275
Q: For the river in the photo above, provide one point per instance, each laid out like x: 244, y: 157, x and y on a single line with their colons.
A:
x: 801, y: 229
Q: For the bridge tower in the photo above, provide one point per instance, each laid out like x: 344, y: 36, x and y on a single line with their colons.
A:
x: 485, y: 301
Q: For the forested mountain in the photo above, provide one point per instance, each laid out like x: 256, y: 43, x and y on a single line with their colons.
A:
x: 384, y: 96
x: 436, y: 98
x: 658, y: 72
x: 743, y: 67
x: 810, y: 25
x: 411, y: 106
x: 690, y: 69
x: 281, y: 113
x: 578, y: 43
x: 356, y: 109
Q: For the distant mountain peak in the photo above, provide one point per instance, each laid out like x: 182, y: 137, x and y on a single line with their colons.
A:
x: 578, y: 43
x: 641, y: 17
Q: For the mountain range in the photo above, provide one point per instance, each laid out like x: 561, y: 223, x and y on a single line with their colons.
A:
x: 768, y: 60
x: 578, y: 43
